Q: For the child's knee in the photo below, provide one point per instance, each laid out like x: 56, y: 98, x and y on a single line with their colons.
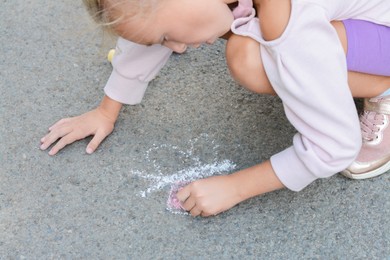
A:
x: 237, y: 57
x: 245, y: 64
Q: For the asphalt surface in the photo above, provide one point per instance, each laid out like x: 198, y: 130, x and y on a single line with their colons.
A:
x: 194, y: 121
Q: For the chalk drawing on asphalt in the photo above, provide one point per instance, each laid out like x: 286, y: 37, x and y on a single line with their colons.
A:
x: 160, y: 178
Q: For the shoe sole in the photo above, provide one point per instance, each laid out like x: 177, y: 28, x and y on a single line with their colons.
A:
x: 361, y: 176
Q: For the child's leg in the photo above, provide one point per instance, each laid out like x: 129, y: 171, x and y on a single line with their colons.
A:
x: 368, y: 47
x: 369, y: 52
x: 245, y: 65
x: 360, y: 74
x: 244, y: 62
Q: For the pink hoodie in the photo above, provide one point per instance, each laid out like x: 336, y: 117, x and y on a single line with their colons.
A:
x: 307, y: 68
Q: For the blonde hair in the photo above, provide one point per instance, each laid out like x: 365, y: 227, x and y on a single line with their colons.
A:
x: 105, y: 12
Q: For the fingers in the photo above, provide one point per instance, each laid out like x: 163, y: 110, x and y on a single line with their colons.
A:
x: 66, y: 132
x: 95, y: 142
x: 190, y: 206
x: 69, y: 130
x: 64, y: 141
x: 55, y: 131
x: 195, y: 211
x: 53, y: 136
x: 58, y: 123
x: 183, y: 194
x: 190, y: 202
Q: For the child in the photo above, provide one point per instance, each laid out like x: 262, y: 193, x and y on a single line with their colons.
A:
x: 364, y: 55
x: 317, y: 148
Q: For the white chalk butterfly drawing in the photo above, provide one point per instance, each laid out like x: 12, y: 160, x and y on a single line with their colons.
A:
x: 192, y: 166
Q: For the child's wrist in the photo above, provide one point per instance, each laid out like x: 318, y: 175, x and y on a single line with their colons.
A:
x: 110, y: 108
x: 256, y: 180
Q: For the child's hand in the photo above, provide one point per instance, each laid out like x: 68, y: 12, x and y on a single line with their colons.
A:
x: 219, y: 193
x: 209, y: 196
x: 68, y: 130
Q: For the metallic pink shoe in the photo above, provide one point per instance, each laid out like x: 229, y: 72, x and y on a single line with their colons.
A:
x: 374, y: 156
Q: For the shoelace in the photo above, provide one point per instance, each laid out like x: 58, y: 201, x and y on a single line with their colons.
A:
x: 369, y: 124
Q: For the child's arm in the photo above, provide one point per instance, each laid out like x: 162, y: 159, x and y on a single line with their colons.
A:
x: 134, y: 66
x: 98, y: 122
x: 307, y: 69
x: 216, y: 194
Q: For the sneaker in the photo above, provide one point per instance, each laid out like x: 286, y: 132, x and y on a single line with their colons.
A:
x: 374, y: 156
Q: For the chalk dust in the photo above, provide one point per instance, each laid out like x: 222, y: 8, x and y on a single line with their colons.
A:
x: 159, y: 178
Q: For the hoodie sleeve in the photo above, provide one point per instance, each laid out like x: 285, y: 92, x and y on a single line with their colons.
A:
x: 307, y: 68
x: 134, y: 66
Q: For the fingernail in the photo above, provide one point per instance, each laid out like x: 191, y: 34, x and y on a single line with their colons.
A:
x: 89, y: 150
